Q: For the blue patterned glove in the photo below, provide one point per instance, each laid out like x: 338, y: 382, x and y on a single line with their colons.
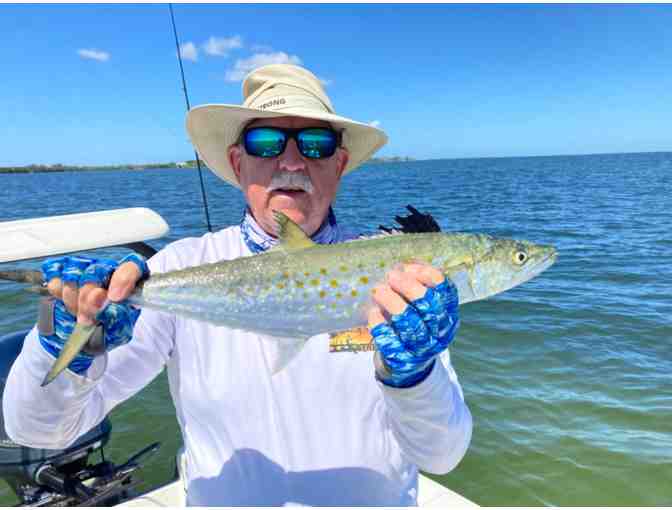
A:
x: 408, y: 346
x: 56, y: 323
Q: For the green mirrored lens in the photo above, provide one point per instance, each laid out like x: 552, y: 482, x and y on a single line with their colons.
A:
x: 269, y: 142
x: 317, y: 143
x: 264, y: 142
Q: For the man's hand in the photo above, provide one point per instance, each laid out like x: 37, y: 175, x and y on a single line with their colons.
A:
x: 79, y: 287
x: 420, y: 306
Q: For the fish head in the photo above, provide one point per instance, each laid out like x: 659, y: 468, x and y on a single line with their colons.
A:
x: 507, y: 264
x: 487, y: 265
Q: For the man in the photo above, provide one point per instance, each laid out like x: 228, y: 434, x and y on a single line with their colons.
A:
x: 336, y: 429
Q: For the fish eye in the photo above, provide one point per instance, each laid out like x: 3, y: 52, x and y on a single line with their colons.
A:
x: 520, y: 257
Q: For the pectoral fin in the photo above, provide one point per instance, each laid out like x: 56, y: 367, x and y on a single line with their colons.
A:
x: 461, y: 278
x: 78, y: 339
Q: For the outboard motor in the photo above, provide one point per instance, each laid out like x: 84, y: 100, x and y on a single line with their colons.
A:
x: 42, y: 477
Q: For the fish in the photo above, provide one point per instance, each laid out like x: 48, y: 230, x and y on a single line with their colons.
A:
x: 299, y: 289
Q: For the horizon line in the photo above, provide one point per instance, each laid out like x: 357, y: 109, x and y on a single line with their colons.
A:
x: 412, y: 159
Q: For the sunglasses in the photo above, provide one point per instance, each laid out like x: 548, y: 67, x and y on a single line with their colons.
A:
x: 269, y: 142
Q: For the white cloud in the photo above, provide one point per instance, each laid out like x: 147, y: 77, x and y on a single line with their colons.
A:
x: 91, y: 54
x: 375, y: 123
x: 261, y: 48
x: 189, y: 51
x: 221, y: 46
x: 244, y: 66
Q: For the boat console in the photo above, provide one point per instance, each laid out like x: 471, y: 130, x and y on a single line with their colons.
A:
x: 42, y: 477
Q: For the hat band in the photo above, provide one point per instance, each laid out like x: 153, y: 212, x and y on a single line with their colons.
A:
x: 289, y: 102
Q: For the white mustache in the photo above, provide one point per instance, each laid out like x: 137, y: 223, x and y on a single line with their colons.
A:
x: 291, y: 180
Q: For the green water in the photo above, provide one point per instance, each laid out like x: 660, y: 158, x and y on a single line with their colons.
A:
x: 568, y: 377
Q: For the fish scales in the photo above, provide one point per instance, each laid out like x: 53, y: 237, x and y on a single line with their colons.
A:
x: 300, y: 289
x: 316, y: 289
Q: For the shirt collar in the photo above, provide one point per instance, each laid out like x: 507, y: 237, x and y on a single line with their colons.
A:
x: 258, y: 240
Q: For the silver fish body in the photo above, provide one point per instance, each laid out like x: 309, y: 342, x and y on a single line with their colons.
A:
x: 328, y: 287
x: 300, y: 289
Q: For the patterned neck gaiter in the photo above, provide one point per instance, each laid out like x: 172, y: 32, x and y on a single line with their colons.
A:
x: 257, y: 240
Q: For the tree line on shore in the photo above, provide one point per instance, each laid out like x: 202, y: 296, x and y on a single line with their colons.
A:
x: 137, y: 166
x: 88, y: 168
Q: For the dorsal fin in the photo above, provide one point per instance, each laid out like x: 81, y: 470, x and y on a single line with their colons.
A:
x: 290, y: 235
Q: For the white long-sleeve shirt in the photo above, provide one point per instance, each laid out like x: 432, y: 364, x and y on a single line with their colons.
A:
x: 321, y: 432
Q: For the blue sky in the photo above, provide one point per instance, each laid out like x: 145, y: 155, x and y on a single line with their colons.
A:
x: 99, y: 84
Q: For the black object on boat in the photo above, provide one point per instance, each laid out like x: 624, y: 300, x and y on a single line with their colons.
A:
x: 43, y: 477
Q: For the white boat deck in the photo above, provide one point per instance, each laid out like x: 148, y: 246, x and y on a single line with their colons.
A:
x: 430, y: 494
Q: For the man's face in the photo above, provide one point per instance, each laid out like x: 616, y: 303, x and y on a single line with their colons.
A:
x: 255, y: 174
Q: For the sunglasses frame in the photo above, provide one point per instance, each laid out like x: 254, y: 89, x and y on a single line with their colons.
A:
x: 290, y: 133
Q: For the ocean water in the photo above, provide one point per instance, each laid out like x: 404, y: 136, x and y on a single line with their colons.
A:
x: 568, y: 377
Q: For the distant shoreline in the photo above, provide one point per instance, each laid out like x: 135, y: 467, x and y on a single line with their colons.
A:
x: 34, y: 169
x: 178, y: 165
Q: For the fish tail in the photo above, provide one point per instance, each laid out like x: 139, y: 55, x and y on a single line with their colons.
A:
x: 22, y: 276
x: 37, y: 289
x: 34, y: 278
x: 78, y: 339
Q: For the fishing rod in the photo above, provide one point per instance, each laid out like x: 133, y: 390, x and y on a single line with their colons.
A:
x: 186, y: 98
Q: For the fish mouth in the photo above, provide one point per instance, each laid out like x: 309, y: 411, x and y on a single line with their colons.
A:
x: 542, y: 265
x: 547, y: 262
x: 536, y: 269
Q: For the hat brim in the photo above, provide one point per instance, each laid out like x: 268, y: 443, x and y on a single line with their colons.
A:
x: 213, y: 128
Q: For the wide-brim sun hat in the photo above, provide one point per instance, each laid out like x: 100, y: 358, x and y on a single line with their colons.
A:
x: 276, y: 90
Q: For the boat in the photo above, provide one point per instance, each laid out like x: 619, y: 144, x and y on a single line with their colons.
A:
x: 41, y: 477
x: 430, y: 495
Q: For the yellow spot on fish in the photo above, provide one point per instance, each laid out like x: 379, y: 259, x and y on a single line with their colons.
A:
x: 353, y: 293
x: 344, y: 268
x: 306, y: 273
x: 299, y: 284
x: 285, y: 274
x: 323, y: 270
x: 323, y: 294
x: 364, y: 279
x: 333, y: 283
x: 315, y: 282
x: 339, y: 295
x: 281, y: 285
